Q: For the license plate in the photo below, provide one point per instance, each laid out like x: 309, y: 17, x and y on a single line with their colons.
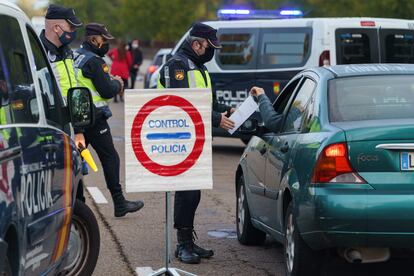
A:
x: 407, y: 161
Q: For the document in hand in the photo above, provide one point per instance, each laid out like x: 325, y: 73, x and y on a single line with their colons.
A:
x: 243, y: 112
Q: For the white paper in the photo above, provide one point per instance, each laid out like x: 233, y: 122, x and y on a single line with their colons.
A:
x: 243, y: 112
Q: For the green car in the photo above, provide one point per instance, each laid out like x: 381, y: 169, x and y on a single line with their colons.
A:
x: 338, y: 173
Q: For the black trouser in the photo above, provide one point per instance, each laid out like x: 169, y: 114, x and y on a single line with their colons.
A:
x: 185, y: 206
x: 133, y: 74
x: 99, y: 136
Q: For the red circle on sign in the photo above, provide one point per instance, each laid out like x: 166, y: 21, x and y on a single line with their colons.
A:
x: 141, y: 155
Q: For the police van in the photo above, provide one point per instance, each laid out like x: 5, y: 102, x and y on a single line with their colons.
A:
x: 45, y: 226
x: 268, y: 53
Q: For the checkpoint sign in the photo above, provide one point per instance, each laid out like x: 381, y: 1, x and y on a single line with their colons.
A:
x: 168, y: 140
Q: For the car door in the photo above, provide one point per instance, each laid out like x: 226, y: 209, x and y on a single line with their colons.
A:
x: 237, y: 63
x: 281, y: 149
x: 51, y: 229
x: 257, y: 154
x: 19, y: 117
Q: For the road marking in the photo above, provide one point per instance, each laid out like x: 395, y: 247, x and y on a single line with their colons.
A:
x: 144, y: 271
x: 97, y: 195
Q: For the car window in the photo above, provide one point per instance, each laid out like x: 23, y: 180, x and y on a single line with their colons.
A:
x: 18, y: 97
x: 397, y: 46
x: 238, y: 49
x: 298, y: 106
x: 283, y: 47
x: 50, y: 94
x: 371, y: 98
x: 355, y: 46
x: 282, y: 100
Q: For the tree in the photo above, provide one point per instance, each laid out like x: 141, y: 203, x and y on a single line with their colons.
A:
x: 28, y: 7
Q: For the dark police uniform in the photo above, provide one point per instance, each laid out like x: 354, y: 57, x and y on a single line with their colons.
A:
x: 92, y: 72
x: 186, y: 71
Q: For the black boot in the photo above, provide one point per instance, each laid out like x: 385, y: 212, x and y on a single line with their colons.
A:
x: 184, y: 251
x: 203, y: 253
x: 123, y: 206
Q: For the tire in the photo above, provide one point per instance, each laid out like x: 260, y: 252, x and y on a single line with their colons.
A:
x: 247, y: 234
x: 7, y: 271
x: 84, y: 242
x: 300, y: 259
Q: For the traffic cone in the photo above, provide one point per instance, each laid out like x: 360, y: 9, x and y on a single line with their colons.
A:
x: 87, y: 156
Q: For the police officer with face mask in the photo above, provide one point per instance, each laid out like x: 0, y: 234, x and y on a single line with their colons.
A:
x: 60, y: 30
x: 187, y: 70
x: 92, y: 72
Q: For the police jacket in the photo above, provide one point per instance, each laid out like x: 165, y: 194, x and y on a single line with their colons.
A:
x: 184, y: 72
x: 92, y: 72
x: 61, y: 60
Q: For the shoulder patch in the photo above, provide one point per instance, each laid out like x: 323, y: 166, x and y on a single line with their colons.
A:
x: 105, y: 68
x: 179, y: 74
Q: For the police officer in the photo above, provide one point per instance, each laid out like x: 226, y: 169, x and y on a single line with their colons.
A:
x: 92, y: 72
x: 60, y: 30
x: 187, y: 70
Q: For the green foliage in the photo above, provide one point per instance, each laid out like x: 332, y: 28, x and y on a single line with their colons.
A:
x: 167, y: 20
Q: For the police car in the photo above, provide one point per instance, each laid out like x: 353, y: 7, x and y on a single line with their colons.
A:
x: 269, y: 52
x: 45, y: 226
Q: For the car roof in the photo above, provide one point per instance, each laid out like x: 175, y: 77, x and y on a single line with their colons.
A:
x: 350, y: 70
x: 297, y: 22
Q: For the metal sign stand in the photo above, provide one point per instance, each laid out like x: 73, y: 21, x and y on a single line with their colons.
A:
x: 167, y: 270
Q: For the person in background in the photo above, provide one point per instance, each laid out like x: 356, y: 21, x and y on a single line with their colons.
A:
x: 136, y: 61
x: 121, y: 62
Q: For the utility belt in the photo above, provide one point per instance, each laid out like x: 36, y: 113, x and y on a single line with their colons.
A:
x: 103, y: 112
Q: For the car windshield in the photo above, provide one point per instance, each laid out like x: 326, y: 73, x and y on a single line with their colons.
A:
x: 371, y: 98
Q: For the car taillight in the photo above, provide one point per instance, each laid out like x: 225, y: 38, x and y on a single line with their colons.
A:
x: 325, y: 58
x: 333, y: 166
x: 152, y: 68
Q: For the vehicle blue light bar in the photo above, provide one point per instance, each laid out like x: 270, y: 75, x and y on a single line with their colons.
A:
x: 237, y: 14
x: 291, y: 12
x: 229, y: 11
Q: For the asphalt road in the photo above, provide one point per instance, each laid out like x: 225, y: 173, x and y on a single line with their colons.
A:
x: 135, y: 244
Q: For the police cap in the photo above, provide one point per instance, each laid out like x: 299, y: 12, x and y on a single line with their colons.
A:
x: 60, y: 12
x: 98, y: 29
x: 205, y: 31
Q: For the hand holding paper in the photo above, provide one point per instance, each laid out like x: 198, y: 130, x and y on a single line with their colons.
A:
x: 245, y: 110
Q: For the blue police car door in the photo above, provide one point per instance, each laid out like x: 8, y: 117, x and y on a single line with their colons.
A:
x: 57, y: 149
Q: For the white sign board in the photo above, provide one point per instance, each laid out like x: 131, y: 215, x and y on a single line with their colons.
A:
x: 168, y: 140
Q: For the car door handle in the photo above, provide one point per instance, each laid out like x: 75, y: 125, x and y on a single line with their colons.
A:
x: 9, y: 154
x: 285, y: 148
x: 50, y: 148
x: 263, y: 150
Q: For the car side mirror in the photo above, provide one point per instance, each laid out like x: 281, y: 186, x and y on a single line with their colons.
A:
x: 250, y: 126
x: 81, y: 107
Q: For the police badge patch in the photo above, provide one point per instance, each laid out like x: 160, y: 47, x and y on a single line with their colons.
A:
x: 179, y: 74
x: 105, y: 68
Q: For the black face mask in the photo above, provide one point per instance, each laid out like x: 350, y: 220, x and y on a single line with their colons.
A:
x: 208, y: 55
x: 101, y: 51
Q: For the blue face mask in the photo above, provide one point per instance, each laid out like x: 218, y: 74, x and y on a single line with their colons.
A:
x: 67, y: 37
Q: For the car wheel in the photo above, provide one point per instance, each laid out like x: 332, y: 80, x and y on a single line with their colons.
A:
x: 300, y: 259
x: 246, y: 233
x: 84, y: 241
x: 7, y: 271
